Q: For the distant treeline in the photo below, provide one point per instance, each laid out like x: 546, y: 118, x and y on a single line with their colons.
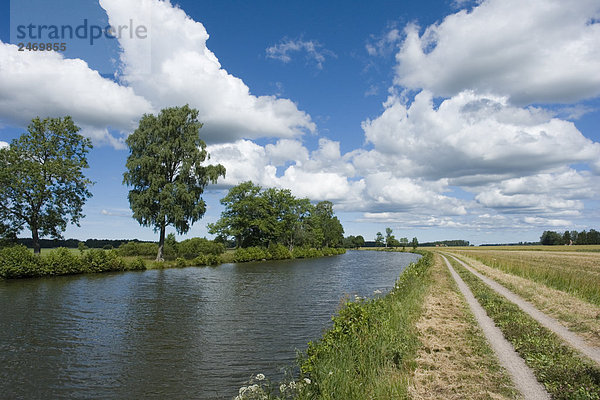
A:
x: 73, y: 243
x: 570, y: 237
x: 449, y: 243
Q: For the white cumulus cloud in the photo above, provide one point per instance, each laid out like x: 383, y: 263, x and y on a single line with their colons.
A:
x: 535, y: 51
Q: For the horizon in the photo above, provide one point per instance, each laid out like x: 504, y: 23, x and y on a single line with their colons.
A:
x: 438, y: 119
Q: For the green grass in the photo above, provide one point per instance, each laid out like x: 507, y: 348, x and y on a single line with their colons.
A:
x: 564, y: 373
x: 369, y: 352
x: 574, y: 273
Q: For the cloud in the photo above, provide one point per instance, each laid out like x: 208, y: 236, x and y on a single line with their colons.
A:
x: 184, y: 70
x: 3, y: 145
x: 116, y: 213
x: 383, y: 44
x: 171, y: 67
x: 473, y: 139
x: 538, y: 51
x: 314, y: 51
x: 45, y: 84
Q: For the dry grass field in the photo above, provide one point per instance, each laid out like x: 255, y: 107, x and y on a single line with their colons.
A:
x: 571, y: 269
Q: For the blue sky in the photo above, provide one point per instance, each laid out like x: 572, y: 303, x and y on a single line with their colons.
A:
x: 441, y: 119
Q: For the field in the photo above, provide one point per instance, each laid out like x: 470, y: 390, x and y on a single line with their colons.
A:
x: 571, y: 269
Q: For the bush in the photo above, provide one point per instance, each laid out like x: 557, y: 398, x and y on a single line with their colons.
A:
x: 133, y: 249
x: 137, y: 265
x: 180, y: 262
x: 192, y: 248
x: 18, y: 262
x: 250, y: 254
x: 279, y: 252
x: 96, y: 260
x: 61, y: 261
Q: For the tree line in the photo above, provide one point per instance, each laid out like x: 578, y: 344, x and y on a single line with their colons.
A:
x: 570, y: 237
x: 255, y: 216
x: 43, y: 188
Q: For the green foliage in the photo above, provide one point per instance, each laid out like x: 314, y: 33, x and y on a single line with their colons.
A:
x: 572, y: 237
x: 138, y: 249
x: 192, y: 248
x: 42, y: 186
x: 414, y: 243
x: 19, y: 262
x: 370, y: 341
x: 250, y: 254
x: 96, y: 260
x: 379, y: 239
x: 61, y: 261
x: 180, y: 262
x: 257, y: 217
x: 279, y: 252
x: 165, y: 168
x: 564, y: 373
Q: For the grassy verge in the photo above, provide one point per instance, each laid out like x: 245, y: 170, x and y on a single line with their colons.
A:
x: 564, y: 373
x: 369, y: 352
x: 455, y: 360
x: 574, y: 273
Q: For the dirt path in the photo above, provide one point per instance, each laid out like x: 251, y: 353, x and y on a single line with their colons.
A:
x: 521, y: 374
x: 571, y: 338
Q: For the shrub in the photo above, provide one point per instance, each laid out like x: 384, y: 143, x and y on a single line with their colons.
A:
x: 194, y: 247
x: 61, y: 261
x: 250, y: 254
x: 279, y: 252
x: 18, y: 262
x: 138, y: 249
x: 180, y: 262
x: 137, y: 265
x: 96, y: 260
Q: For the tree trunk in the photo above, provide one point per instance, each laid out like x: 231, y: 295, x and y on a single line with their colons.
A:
x: 161, y: 244
x: 36, y: 240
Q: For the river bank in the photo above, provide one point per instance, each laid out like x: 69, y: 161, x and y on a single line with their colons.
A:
x: 18, y: 262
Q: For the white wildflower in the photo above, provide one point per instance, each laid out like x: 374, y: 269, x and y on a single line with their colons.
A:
x: 330, y: 372
x: 253, y: 388
x: 307, y: 381
x: 377, y: 291
x: 260, y: 377
x: 282, y: 387
x: 243, y: 390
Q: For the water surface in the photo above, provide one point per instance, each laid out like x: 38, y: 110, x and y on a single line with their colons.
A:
x: 191, y: 333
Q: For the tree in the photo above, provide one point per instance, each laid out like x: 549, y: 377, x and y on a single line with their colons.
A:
x: 330, y: 225
x: 379, y: 239
x: 165, y: 168
x: 388, y: 236
x: 359, y: 241
x: 404, y: 243
x: 414, y: 243
x: 42, y: 185
x: 551, y: 238
x: 567, y: 238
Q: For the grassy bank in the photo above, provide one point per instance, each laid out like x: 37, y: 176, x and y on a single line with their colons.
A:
x: 368, y: 353
x: 572, y: 272
x: 19, y: 262
x: 564, y: 373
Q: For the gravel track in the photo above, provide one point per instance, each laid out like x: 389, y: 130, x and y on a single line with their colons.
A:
x: 572, y: 339
x: 521, y: 374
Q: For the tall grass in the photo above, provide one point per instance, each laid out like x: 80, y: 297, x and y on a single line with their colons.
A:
x: 574, y: 273
x: 369, y: 351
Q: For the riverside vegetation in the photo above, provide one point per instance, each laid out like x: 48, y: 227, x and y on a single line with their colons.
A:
x: 369, y: 351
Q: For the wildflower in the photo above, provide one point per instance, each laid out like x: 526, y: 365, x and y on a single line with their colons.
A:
x: 260, y: 377
x: 253, y: 388
x: 243, y: 390
x: 377, y: 291
x: 307, y: 381
x: 282, y: 387
x: 330, y: 372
